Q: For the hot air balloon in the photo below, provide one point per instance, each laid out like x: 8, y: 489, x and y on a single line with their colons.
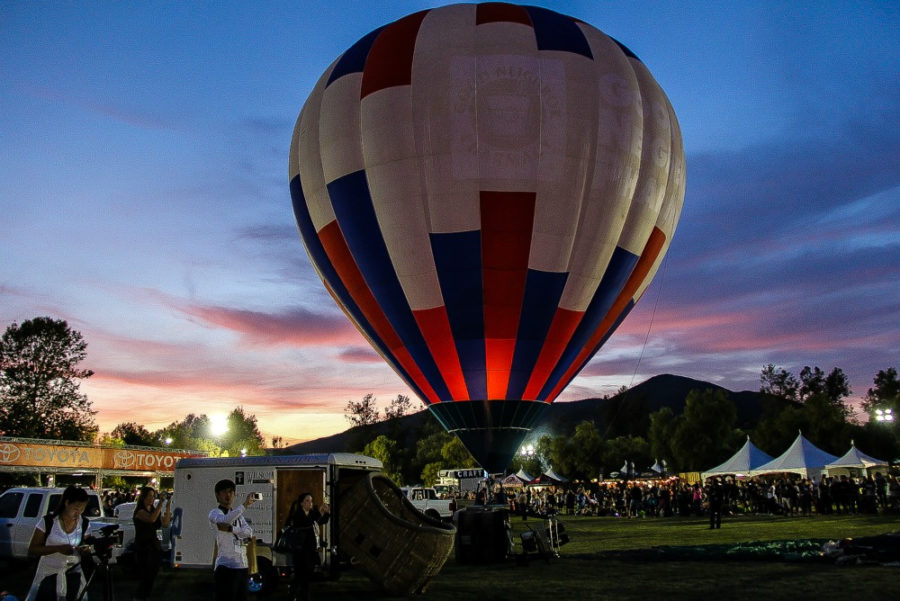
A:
x: 487, y: 190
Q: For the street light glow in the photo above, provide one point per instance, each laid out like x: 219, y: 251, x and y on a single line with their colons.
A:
x: 218, y: 424
x: 884, y: 415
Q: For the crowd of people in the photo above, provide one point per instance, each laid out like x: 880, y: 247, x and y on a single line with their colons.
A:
x: 113, y: 497
x: 759, y: 495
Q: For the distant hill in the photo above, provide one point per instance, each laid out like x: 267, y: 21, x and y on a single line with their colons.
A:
x: 626, y: 413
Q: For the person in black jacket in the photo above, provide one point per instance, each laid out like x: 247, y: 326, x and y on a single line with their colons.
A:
x: 148, y: 518
x: 715, y: 495
x: 305, y: 517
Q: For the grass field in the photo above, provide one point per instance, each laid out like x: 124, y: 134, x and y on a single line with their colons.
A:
x: 609, y: 558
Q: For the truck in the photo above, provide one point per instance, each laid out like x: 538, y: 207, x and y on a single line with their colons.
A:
x: 22, y: 508
x: 429, y: 502
x: 279, y: 480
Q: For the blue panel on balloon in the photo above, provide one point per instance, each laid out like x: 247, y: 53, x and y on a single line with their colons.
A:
x: 621, y: 264
x: 554, y: 31
x: 543, y: 290
x: 457, y: 259
x: 321, y: 260
x: 354, y: 59
x: 355, y: 214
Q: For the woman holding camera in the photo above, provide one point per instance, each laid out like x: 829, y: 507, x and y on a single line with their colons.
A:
x: 148, y: 518
x: 306, y: 517
x: 59, y: 574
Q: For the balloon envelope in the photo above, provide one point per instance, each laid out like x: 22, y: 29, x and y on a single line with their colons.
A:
x: 486, y: 190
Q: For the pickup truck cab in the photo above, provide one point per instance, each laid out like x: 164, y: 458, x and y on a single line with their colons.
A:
x: 22, y: 508
x: 428, y: 502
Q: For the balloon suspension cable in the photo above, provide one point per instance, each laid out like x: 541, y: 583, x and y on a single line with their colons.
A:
x: 661, y: 280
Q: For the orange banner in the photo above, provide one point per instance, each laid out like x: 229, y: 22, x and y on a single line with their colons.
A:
x: 30, y: 454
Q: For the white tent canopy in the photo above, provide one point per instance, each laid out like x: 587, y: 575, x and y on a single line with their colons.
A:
x: 554, y: 476
x: 802, y: 457
x: 523, y: 476
x: 742, y: 463
x: 855, y: 459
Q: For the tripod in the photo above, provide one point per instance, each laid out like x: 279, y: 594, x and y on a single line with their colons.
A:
x: 103, y: 566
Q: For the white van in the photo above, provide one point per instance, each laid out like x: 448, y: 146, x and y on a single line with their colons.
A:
x: 22, y: 508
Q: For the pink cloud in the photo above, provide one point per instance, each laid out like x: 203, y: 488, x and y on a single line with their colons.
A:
x: 295, y: 327
x: 359, y: 354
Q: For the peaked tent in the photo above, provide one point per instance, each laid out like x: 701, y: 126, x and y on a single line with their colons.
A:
x: 548, y: 478
x: 518, y: 479
x: 554, y: 476
x: 747, y: 459
x: 513, y: 480
x: 854, y: 459
x: 802, y: 457
x: 523, y: 475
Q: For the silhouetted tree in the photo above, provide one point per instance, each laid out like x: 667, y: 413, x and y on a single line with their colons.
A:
x: 662, y: 430
x: 40, y: 380
x: 778, y: 383
x: 362, y: 413
x: 135, y: 434
x: 705, y: 435
x: 885, y: 392
x: 399, y: 406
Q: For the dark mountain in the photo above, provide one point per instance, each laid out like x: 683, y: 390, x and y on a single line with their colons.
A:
x: 626, y: 413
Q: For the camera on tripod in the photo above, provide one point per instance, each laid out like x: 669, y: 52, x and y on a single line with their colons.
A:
x: 102, y: 545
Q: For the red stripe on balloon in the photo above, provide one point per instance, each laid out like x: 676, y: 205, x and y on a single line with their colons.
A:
x: 562, y: 328
x: 651, y: 252
x: 500, y: 12
x: 435, y: 327
x: 348, y: 271
x: 389, y: 62
x: 507, y: 219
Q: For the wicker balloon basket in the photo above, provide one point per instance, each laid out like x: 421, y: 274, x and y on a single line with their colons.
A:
x: 392, y: 542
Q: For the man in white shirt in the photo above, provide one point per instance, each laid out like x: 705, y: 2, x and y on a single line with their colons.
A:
x: 232, y: 534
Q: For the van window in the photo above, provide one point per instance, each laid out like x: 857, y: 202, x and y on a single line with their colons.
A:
x: 9, y: 504
x: 33, y: 505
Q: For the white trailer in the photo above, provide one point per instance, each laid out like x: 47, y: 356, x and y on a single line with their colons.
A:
x: 280, y: 479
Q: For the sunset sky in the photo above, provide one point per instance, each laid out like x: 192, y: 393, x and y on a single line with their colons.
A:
x: 144, y: 199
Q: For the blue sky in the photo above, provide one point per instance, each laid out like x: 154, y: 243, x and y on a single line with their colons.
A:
x: 144, y: 195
